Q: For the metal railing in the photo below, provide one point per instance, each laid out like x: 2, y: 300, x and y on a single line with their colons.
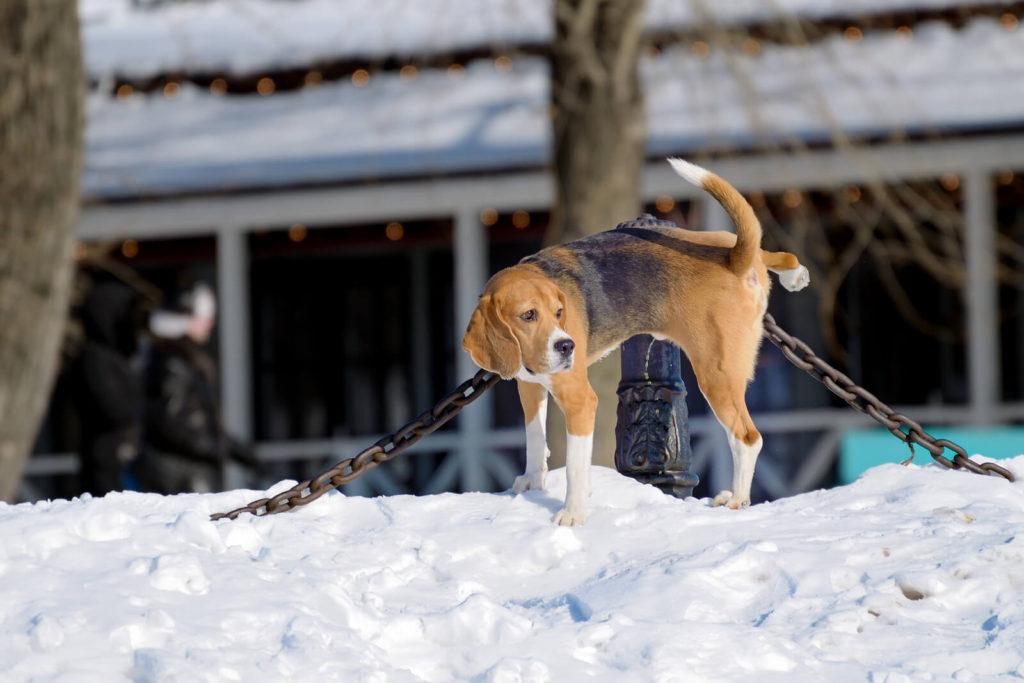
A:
x: 710, y: 451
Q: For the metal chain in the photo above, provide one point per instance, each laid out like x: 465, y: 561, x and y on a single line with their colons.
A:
x: 383, y: 450
x: 862, y: 400
x: 795, y: 350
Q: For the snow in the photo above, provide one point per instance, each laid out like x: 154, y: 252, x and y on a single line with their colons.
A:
x: 487, y: 120
x: 909, y: 573
x: 942, y: 80
x: 243, y: 36
x: 335, y: 132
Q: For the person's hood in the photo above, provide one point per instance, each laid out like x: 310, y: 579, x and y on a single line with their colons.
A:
x: 110, y: 316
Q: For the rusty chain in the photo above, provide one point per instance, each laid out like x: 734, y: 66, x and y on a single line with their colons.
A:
x: 862, y: 400
x: 795, y: 350
x: 380, y: 452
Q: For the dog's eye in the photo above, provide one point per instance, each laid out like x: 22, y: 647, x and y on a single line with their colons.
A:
x: 558, y: 314
x: 529, y: 316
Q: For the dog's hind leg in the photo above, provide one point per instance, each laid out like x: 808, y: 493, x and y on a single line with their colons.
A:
x: 744, y: 457
x: 723, y: 383
x: 534, y: 398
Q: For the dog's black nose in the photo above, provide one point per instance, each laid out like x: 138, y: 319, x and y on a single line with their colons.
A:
x: 565, y: 347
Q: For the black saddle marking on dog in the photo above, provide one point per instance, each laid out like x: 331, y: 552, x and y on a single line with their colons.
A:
x: 618, y: 272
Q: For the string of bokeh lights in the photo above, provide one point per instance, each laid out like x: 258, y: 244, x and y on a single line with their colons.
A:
x: 267, y: 84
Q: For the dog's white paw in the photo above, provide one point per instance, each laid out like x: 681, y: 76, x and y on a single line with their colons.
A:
x: 730, y: 500
x: 796, y: 279
x: 570, y: 517
x: 531, y: 481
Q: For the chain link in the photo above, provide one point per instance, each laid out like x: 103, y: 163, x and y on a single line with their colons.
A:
x: 380, y: 452
x: 862, y: 400
x: 795, y: 350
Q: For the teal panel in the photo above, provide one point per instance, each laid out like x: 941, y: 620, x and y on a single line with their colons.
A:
x: 862, y: 449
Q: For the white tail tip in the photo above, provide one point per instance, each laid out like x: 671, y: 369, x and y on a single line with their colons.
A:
x: 690, y: 172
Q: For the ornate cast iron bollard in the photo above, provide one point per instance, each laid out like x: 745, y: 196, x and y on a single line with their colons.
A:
x: 651, y: 431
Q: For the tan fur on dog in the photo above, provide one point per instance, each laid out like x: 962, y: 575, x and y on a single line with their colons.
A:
x: 705, y: 291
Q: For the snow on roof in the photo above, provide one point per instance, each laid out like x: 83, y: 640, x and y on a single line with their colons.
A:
x: 336, y: 132
x: 909, y: 573
x: 246, y: 35
x: 243, y: 36
x: 940, y: 80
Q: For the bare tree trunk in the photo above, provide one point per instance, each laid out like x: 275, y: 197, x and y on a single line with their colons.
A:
x: 599, y: 135
x: 41, y: 95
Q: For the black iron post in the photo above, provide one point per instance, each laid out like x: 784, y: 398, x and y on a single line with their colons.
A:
x: 651, y: 431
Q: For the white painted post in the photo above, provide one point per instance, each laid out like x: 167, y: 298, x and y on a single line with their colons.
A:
x: 982, y: 296
x: 469, y: 256
x: 235, y: 341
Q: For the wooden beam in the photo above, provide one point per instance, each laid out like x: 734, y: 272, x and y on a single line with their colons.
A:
x: 982, y: 296
x: 151, y: 219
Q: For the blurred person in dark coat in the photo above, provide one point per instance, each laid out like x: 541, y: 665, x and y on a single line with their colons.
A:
x: 106, y: 385
x: 184, y: 444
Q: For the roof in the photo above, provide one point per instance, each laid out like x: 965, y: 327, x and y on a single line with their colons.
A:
x: 940, y: 80
x: 144, y: 37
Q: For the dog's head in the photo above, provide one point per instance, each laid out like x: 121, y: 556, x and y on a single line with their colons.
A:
x: 519, y: 323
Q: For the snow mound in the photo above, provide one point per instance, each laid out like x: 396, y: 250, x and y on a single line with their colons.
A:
x: 908, y: 573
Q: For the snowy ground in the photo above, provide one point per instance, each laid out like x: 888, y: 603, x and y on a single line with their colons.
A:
x: 910, y: 573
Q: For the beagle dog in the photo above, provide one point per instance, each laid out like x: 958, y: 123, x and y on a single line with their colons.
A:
x: 544, y: 320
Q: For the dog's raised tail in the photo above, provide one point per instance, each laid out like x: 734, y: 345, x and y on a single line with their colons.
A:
x: 748, y: 228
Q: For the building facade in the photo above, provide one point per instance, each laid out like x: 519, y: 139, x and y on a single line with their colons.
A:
x: 350, y: 204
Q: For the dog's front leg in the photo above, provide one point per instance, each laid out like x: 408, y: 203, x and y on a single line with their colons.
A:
x: 578, y: 450
x: 534, y: 398
x: 579, y: 403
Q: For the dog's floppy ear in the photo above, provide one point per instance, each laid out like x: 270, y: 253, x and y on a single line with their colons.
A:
x: 490, y: 342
